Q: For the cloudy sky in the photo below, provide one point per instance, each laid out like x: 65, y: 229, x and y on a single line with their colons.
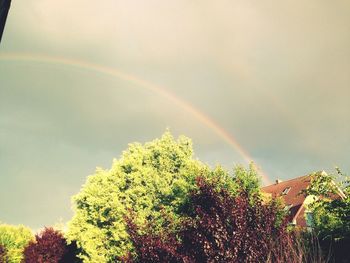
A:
x: 79, y: 80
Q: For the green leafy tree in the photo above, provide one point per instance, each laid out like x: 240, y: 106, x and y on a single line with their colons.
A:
x: 14, y: 239
x: 331, y: 209
x: 150, y: 179
x: 247, y: 179
x: 331, y: 213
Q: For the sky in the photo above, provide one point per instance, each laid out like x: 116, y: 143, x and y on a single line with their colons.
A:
x: 80, y: 80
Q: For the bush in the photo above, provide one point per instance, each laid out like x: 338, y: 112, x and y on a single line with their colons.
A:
x: 2, y: 254
x: 49, y: 247
x: 151, y: 247
x: 13, y: 240
x: 218, y: 227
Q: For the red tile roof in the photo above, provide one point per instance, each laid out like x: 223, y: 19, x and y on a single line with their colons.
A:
x: 294, y: 197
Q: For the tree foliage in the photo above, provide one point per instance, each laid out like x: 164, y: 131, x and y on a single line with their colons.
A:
x: 49, y: 247
x: 219, y: 227
x: 331, y: 213
x: 2, y: 254
x: 13, y: 240
x: 331, y: 210
x: 247, y: 179
x: 148, y: 179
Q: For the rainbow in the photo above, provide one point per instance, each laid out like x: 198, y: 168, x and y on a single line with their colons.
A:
x: 200, y: 116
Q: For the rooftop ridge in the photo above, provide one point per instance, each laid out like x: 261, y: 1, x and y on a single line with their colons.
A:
x: 294, y: 179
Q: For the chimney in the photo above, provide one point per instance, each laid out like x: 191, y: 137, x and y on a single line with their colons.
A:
x: 278, y: 181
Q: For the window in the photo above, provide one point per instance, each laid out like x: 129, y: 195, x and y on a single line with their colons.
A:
x: 286, y: 190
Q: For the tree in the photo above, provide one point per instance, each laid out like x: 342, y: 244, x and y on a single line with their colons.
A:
x: 13, y: 239
x: 148, y: 179
x: 247, y: 179
x: 331, y: 209
x: 48, y: 247
x: 331, y: 213
x: 219, y: 227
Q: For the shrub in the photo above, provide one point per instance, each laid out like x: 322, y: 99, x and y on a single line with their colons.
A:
x: 219, y: 227
x: 2, y: 254
x: 13, y: 239
x: 152, y: 247
x: 49, y: 247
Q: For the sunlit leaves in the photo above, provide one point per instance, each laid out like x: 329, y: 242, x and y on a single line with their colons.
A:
x: 13, y: 239
x: 331, y: 210
x: 148, y: 178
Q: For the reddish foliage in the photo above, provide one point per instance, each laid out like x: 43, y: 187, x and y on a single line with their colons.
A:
x: 228, y: 229
x: 219, y: 228
x: 151, y: 247
x: 2, y: 254
x: 49, y: 247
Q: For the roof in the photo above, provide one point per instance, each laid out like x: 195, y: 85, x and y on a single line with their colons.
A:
x: 294, y: 195
x: 291, y: 192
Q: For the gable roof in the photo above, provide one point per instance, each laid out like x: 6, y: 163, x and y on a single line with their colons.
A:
x: 291, y: 192
x: 293, y: 196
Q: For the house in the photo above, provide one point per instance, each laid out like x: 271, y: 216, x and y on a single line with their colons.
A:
x: 295, y: 201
